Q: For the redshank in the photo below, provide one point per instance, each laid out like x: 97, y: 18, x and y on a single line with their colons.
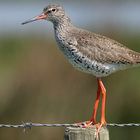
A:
x: 89, y: 52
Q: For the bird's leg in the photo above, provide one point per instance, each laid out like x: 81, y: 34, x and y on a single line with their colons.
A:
x: 95, y: 108
x: 103, y: 121
x: 103, y: 91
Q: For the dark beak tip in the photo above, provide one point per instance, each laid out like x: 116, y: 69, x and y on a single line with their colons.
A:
x: 29, y: 21
x: 22, y: 23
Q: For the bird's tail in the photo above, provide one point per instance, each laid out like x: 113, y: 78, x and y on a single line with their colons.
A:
x: 135, y: 57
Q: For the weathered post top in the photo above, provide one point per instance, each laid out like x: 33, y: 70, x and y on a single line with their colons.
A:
x: 73, y: 133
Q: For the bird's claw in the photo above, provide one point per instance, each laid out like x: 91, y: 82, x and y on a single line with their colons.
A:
x: 85, y: 124
x: 89, y: 124
x: 98, y: 128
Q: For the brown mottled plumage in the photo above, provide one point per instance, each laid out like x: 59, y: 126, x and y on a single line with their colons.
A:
x: 105, y: 50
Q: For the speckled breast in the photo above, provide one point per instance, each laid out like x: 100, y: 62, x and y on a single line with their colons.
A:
x: 82, y: 62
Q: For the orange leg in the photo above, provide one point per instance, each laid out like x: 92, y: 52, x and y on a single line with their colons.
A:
x: 103, y: 91
x: 93, y: 118
x: 103, y: 121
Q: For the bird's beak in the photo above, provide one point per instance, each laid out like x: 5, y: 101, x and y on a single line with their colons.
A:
x: 39, y: 17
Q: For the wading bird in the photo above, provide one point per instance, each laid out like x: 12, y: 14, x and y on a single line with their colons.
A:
x: 88, y: 52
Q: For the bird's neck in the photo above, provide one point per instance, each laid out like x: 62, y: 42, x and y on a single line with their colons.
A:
x: 62, y: 24
x: 62, y: 30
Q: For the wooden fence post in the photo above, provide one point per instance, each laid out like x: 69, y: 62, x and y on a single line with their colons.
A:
x: 76, y: 133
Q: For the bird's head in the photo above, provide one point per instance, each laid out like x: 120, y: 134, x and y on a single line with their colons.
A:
x: 52, y: 13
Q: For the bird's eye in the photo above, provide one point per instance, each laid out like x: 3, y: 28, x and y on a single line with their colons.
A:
x: 49, y: 11
x: 53, y: 10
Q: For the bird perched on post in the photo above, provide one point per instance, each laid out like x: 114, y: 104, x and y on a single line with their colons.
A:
x: 88, y: 52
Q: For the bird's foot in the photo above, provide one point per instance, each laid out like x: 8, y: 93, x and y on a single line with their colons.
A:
x: 85, y: 124
x: 89, y: 124
x: 98, y: 128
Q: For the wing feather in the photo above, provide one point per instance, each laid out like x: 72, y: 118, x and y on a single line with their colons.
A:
x: 105, y: 50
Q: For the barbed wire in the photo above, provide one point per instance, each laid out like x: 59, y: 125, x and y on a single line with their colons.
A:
x: 124, y: 124
x: 30, y: 125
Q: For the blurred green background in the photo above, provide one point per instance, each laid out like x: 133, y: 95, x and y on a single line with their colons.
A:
x: 37, y: 84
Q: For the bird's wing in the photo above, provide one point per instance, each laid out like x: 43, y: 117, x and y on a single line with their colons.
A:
x: 105, y: 50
